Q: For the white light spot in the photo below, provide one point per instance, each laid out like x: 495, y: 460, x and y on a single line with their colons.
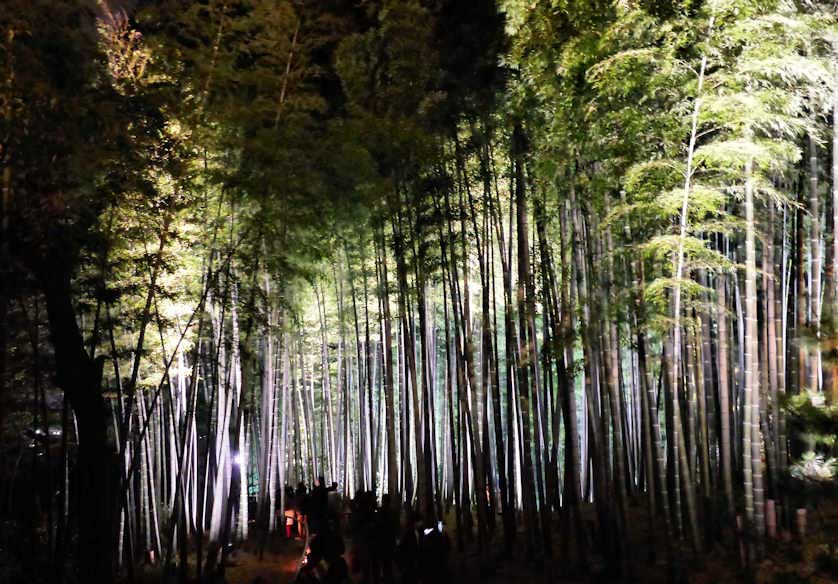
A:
x: 238, y: 459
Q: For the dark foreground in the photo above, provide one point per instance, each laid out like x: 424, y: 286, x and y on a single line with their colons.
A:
x: 788, y: 559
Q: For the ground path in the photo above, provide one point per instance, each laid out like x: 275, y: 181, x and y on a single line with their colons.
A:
x: 276, y: 565
x: 279, y: 561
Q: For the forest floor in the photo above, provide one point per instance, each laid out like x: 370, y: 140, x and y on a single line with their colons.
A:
x: 278, y: 564
x: 813, y: 560
x: 791, y: 561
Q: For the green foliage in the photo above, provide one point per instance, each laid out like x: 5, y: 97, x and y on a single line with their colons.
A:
x: 657, y: 294
x: 817, y: 424
x: 814, y: 468
x: 826, y: 560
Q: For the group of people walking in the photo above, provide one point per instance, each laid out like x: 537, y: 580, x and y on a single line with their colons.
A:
x: 316, y: 508
x: 383, y: 549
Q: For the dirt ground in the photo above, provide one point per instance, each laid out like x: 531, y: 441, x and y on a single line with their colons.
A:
x: 788, y: 560
x: 278, y: 564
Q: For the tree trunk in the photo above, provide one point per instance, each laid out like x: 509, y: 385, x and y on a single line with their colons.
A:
x: 80, y: 377
x: 752, y: 447
x: 389, y: 392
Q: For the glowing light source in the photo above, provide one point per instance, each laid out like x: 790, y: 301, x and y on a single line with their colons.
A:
x: 238, y: 459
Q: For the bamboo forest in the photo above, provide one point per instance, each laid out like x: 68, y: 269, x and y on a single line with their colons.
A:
x: 418, y: 291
